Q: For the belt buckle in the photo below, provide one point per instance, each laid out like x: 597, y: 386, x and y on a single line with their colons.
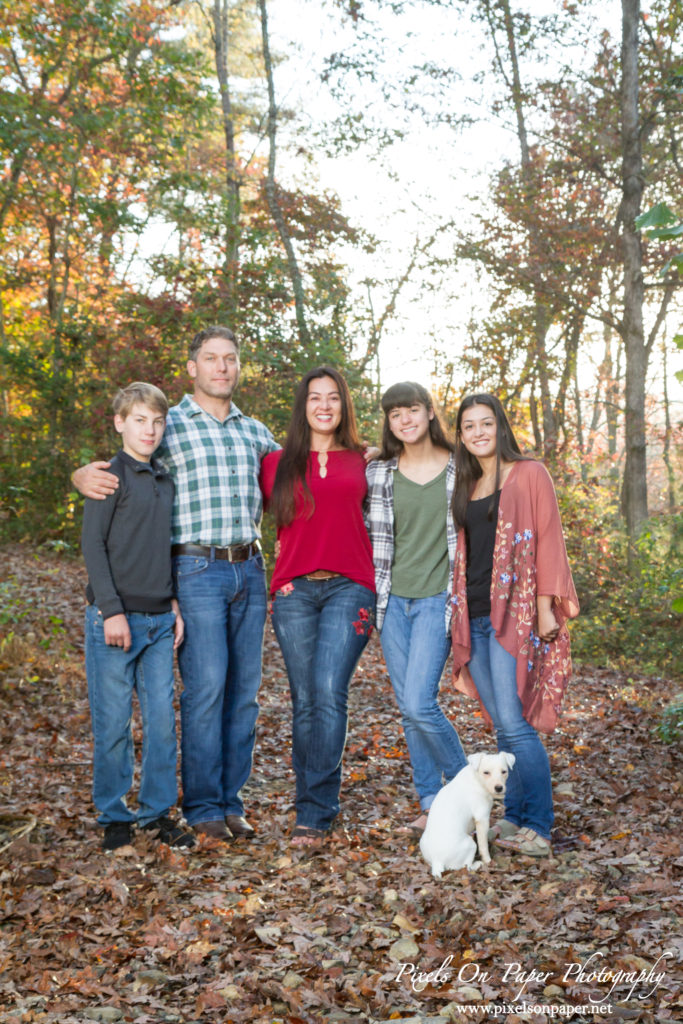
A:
x: 229, y: 550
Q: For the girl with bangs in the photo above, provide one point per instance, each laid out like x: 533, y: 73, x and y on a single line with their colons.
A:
x: 410, y: 488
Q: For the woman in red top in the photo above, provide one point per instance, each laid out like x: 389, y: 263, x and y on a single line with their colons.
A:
x: 323, y: 585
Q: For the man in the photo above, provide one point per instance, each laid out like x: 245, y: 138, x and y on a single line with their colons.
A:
x: 214, y: 453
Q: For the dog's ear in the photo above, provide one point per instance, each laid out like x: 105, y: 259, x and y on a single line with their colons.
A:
x: 509, y: 760
x: 475, y: 760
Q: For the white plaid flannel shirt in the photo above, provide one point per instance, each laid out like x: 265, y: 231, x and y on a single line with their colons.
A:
x: 216, y: 468
x: 379, y: 519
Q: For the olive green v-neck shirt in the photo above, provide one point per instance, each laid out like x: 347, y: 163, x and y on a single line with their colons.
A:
x: 420, y: 567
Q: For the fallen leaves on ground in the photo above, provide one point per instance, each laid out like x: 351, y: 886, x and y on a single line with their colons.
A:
x: 359, y: 930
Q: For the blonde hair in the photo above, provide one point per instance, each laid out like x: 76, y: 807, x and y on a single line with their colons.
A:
x: 139, y: 393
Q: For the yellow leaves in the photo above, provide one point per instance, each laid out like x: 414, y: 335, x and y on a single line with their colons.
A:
x: 196, y: 952
x: 405, y: 925
x: 252, y: 905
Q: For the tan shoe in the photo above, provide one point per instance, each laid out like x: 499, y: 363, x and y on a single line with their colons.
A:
x: 239, y: 826
x: 527, y: 842
x: 502, y: 829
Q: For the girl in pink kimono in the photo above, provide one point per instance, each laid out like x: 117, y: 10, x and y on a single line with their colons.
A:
x: 512, y: 596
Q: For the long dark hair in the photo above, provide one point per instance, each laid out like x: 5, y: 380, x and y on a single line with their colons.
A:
x: 405, y: 395
x: 290, y: 478
x: 468, y: 469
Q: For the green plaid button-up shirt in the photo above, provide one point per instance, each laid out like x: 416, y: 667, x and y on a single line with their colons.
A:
x: 216, y: 468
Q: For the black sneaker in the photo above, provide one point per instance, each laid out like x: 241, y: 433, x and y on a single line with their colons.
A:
x: 117, y: 834
x: 168, y: 832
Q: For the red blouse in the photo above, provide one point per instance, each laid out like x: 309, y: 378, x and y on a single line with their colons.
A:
x: 334, y: 537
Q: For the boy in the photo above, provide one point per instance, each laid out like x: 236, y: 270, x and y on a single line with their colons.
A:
x: 132, y: 627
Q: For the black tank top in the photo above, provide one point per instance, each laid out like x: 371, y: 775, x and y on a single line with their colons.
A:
x: 481, y: 539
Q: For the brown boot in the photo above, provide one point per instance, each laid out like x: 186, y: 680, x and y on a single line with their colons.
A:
x: 213, y: 829
x: 239, y: 826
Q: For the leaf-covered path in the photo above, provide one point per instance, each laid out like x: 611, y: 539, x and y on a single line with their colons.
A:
x: 260, y: 932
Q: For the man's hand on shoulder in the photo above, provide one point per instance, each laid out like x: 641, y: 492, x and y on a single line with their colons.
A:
x: 94, y: 482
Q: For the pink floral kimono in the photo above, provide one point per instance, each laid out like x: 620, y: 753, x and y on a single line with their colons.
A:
x: 529, y: 558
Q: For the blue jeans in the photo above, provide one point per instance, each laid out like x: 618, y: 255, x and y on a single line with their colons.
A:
x: 113, y: 675
x: 529, y: 797
x: 415, y: 648
x: 322, y: 627
x: 224, y: 608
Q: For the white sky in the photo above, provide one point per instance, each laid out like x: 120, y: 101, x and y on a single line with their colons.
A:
x: 434, y: 170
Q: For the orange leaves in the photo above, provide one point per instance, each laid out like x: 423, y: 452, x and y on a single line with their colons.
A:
x: 261, y: 931
x: 209, y: 999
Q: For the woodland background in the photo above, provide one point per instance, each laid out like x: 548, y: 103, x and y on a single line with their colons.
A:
x: 479, y: 195
x: 157, y: 175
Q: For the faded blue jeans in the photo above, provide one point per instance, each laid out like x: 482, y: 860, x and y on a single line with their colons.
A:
x: 529, y: 796
x: 415, y: 648
x: 322, y: 627
x: 113, y: 675
x: 223, y: 605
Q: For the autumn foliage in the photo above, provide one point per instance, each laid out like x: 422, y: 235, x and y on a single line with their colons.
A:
x: 265, y: 933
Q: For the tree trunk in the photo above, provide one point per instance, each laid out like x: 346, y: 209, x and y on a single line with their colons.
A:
x: 541, y: 316
x: 613, y: 406
x: 634, y: 489
x: 666, y: 453
x: 579, y: 426
x: 569, y: 376
x: 533, y: 415
x: 271, y: 189
x: 610, y: 372
x: 221, y: 35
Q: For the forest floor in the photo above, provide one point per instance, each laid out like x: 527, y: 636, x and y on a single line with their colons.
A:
x: 359, y: 931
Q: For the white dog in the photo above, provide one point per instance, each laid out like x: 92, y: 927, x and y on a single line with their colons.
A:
x: 461, y: 806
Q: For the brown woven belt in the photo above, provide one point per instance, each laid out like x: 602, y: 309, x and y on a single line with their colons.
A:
x: 235, y: 553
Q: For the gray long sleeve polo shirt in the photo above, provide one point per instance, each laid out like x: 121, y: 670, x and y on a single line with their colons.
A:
x: 126, y: 540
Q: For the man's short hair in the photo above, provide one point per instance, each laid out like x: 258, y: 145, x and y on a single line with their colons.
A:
x: 211, y: 332
x: 139, y: 393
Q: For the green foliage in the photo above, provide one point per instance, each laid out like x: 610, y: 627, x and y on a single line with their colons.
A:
x: 84, y: 91
x: 16, y: 608
x: 90, y: 296
x: 678, y: 341
x: 631, y: 620
x: 670, y: 728
x: 662, y: 225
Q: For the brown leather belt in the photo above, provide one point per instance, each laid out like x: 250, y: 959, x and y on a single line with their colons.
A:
x: 235, y: 553
x: 322, y: 574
